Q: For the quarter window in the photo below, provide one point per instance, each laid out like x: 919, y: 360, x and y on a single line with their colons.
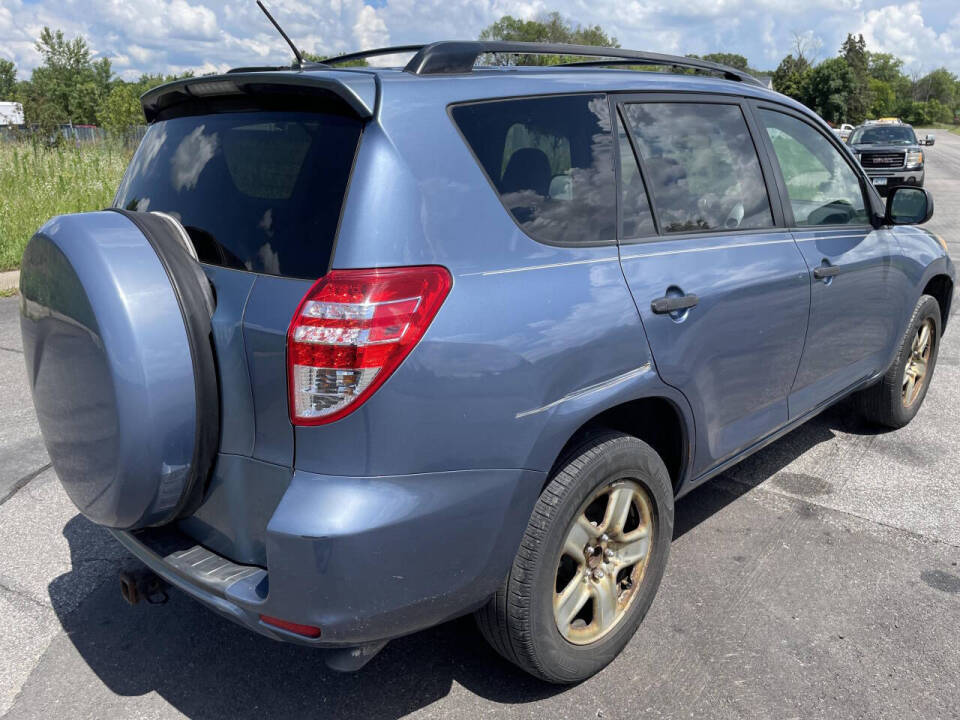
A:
x: 701, y: 165
x: 823, y: 188
x: 550, y: 159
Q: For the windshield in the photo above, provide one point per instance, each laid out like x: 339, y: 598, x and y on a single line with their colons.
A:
x: 884, y: 135
x: 258, y: 191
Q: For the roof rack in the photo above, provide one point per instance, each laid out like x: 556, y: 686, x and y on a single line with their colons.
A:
x: 448, y: 57
x: 364, y: 54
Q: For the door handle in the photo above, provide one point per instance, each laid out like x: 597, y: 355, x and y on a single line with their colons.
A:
x: 827, y: 271
x: 669, y: 304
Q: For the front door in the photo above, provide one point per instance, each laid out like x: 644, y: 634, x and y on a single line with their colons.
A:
x: 721, y: 287
x: 854, y: 317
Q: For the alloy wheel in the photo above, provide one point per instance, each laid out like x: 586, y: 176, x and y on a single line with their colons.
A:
x: 916, y: 370
x: 603, y: 561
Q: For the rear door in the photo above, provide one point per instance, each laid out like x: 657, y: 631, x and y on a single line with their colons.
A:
x: 719, y: 282
x: 854, y: 317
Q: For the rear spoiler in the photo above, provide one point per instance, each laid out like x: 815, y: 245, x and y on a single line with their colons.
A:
x: 358, y: 91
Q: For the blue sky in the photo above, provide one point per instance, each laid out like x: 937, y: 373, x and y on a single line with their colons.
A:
x: 212, y: 35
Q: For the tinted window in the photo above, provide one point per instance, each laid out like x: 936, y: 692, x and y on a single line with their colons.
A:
x: 701, y: 166
x: 255, y: 191
x: 823, y: 188
x: 635, y: 207
x: 551, y: 161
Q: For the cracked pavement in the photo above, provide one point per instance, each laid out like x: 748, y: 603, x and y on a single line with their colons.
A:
x: 818, y: 578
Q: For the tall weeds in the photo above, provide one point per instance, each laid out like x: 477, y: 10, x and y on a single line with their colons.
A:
x: 38, y: 182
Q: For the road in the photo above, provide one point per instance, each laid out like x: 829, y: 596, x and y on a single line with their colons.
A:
x: 819, y: 578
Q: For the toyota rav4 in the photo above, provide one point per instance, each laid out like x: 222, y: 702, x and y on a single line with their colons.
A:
x: 360, y: 350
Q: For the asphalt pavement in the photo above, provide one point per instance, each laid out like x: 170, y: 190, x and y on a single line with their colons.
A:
x: 819, y: 578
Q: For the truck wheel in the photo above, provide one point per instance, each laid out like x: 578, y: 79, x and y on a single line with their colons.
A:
x: 589, y: 564
x: 895, y: 400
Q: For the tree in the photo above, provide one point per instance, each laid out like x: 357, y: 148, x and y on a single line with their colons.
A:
x: 313, y: 57
x: 883, y: 99
x: 69, y: 85
x: 806, y: 46
x: 121, y: 110
x: 885, y: 67
x: 8, y: 79
x: 940, y: 85
x: 790, y: 76
x: 732, y: 59
x: 551, y: 28
x: 827, y: 88
x: 854, y: 52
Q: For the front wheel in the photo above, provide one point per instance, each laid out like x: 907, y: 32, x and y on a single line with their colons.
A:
x: 589, y: 564
x: 896, y: 399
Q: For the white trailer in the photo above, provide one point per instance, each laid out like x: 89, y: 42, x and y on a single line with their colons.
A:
x: 11, y: 113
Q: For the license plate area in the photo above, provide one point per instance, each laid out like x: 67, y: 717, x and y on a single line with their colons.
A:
x: 879, y: 180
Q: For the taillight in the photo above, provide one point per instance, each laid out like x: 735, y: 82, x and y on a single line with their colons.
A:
x: 351, y: 331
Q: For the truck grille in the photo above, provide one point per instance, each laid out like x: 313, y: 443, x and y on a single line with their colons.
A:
x: 882, y: 160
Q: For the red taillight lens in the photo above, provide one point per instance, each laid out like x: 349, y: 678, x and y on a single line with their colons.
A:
x: 309, y: 631
x: 351, y: 331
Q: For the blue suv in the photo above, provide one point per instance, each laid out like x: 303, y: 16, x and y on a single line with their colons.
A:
x: 360, y: 350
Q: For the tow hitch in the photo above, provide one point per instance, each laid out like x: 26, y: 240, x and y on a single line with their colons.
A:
x: 141, y: 584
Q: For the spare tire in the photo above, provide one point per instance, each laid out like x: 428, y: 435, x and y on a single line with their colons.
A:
x: 115, y: 317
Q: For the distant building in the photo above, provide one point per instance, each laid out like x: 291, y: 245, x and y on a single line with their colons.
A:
x: 11, y: 113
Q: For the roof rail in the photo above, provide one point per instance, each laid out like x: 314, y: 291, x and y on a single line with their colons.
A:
x: 364, y: 54
x: 456, y: 56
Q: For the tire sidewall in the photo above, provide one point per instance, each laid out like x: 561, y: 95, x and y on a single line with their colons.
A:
x: 927, y: 307
x: 562, y: 660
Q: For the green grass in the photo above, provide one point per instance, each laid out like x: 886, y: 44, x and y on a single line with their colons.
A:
x: 38, y: 182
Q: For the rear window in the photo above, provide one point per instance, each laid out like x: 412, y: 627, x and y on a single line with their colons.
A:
x: 550, y: 159
x: 255, y: 191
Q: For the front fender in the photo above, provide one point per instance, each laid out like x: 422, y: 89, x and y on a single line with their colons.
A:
x: 923, y: 258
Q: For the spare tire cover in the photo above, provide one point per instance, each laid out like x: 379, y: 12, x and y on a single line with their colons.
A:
x: 115, y: 317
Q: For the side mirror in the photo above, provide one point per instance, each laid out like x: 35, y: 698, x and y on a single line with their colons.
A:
x: 929, y: 140
x: 908, y: 205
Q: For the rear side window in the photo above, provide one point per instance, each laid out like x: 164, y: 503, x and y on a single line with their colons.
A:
x: 258, y: 191
x: 701, y: 166
x: 550, y: 159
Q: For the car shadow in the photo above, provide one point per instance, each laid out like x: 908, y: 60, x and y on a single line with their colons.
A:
x: 206, y: 666
x: 768, y: 465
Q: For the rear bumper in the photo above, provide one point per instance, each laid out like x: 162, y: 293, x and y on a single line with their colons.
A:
x: 363, y: 559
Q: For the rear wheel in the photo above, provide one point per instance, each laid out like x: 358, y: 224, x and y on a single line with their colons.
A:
x: 589, y: 564
x: 896, y: 399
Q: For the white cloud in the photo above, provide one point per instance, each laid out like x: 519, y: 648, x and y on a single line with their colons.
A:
x: 901, y: 30
x: 370, y: 30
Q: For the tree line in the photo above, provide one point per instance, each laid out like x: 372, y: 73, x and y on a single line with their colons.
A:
x: 854, y: 86
x: 71, y: 86
x: 858, y: 84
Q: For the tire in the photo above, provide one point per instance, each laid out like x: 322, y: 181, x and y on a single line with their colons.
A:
x: 519, y: 621
x: 888, y: 403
